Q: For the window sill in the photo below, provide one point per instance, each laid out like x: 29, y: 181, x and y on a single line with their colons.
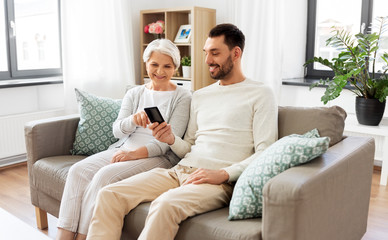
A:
x: 30, y: 82
x: 306, y: 82
x: 298, y: 81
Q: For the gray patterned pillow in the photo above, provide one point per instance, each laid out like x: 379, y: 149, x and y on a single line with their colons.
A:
x: 285, y: 153
x: 97, y: 114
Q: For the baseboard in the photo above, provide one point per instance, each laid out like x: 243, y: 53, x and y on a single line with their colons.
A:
x: 378, y: 163
x: 10, y: 161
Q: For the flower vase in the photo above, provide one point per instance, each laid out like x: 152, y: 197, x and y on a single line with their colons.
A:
x: 157, y: 36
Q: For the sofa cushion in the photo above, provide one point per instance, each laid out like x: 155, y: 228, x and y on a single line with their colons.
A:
x: 210, y: 225
x: 50, y: 173
x: 293, y: 150
x: 330, y: 121
x: 97, y: 114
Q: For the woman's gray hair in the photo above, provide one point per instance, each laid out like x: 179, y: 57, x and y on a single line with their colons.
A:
x: 164, y: 46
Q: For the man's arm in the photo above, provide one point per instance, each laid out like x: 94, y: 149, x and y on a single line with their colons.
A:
x: 163, y: 132
x: 265, y: 122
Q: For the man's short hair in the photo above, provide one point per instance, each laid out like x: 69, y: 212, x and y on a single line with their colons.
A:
x: 232, y: 35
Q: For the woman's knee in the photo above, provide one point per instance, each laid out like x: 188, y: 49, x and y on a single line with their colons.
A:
x: 104, y: 177
x: 77, y: 169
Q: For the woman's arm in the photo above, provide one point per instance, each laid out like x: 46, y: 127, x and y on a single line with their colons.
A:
x: 124, y: 124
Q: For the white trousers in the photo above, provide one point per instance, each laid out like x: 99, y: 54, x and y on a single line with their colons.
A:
x: 87, y: 177
x: 172, y: 203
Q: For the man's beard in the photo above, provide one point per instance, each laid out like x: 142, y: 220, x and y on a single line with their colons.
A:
x: 223, y: 71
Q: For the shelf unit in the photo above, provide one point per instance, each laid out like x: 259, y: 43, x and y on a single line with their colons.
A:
x: 201, y: 21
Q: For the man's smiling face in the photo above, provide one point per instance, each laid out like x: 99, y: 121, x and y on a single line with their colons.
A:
x: 218, y: 57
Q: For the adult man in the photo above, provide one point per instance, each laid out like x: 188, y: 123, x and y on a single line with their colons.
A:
x: 231, y: 122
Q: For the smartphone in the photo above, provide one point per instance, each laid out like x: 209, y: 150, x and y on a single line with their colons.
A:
x: 154, y: 114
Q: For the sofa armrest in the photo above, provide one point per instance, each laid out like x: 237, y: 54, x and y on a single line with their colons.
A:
x: 50, y: 137
x: 327, y: 198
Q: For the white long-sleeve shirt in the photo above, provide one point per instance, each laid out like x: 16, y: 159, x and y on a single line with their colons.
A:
x: 229, y: 126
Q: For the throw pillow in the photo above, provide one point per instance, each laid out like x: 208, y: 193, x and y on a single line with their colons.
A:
x: 285, y: 153
x: 97, y: 114
x: 330, y: 121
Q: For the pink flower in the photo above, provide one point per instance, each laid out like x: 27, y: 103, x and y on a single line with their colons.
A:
x: 155, y: 28
x: 158, y: 29
x: 146, y: 29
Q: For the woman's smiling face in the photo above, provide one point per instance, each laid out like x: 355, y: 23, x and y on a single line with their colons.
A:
x: 160, y: 67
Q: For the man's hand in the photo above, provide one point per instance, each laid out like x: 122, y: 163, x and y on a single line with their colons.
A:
x: 201, y: 175
x: 141, y: 119
x: 162, y: 132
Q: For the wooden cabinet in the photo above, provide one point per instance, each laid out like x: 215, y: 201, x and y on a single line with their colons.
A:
x: 201, y: 21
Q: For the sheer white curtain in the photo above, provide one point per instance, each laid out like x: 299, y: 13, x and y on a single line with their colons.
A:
x: 262, y: 23
x: 96, y: 48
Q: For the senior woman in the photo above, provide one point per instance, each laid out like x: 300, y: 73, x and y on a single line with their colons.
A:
x: 137, y: 150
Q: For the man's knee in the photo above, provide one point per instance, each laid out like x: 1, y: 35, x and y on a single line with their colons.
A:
x: 105, y: 193
x: 164, y: 203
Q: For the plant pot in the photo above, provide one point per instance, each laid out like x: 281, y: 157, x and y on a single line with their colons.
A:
x: 369, y: 111
x: 186, y: 70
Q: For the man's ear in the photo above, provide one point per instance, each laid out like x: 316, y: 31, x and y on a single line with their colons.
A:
x: 237, y: 53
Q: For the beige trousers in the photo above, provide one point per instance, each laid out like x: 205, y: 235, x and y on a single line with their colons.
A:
x: 171, y: 203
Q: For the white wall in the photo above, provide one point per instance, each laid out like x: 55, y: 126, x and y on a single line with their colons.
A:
x: 20, y: 100
x: 294, y: 48
x: 302, y: 96
x: 42, y: 98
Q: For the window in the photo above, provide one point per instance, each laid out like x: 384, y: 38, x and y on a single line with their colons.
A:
x: 351, y: 15
x: 29, y: 39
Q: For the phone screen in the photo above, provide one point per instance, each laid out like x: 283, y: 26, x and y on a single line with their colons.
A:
x: 154, y: 114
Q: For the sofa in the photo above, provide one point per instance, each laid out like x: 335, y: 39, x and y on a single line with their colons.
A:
x: 326, y: 198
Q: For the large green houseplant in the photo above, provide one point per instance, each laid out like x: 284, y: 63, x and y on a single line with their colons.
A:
x: 355, y: 65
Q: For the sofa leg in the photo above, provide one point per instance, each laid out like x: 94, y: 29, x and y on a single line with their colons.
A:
x: 41, y: 218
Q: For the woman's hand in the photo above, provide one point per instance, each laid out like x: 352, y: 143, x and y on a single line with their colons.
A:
x: 162, y: 132
x: 141, y: 119
x: 122, y: 156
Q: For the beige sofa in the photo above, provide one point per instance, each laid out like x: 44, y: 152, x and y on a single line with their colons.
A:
x: 327, y: 198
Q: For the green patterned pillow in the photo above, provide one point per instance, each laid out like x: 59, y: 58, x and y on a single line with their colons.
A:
x: 285, y: 153
x: 97, y: 114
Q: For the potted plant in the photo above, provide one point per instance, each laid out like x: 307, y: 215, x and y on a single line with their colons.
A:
x: 186, y: 66
x: 355, y: 66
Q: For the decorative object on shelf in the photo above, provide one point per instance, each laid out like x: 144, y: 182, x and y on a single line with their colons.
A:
x: 156, y: 28
x: 356, y: 64
x: 186, y: 66
x: 183, y: 35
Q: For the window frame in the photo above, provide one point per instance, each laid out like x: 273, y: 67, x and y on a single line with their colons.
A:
x: 13, y: 73
x: 310, y: 72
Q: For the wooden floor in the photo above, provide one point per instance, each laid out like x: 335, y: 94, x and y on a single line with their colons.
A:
x: 15, y: 198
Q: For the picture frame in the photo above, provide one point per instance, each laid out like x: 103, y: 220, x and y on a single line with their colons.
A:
x: 184, y: 34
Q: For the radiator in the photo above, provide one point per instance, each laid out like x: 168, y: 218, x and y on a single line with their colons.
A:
x: 378, y: 145
x: 12, y: 145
